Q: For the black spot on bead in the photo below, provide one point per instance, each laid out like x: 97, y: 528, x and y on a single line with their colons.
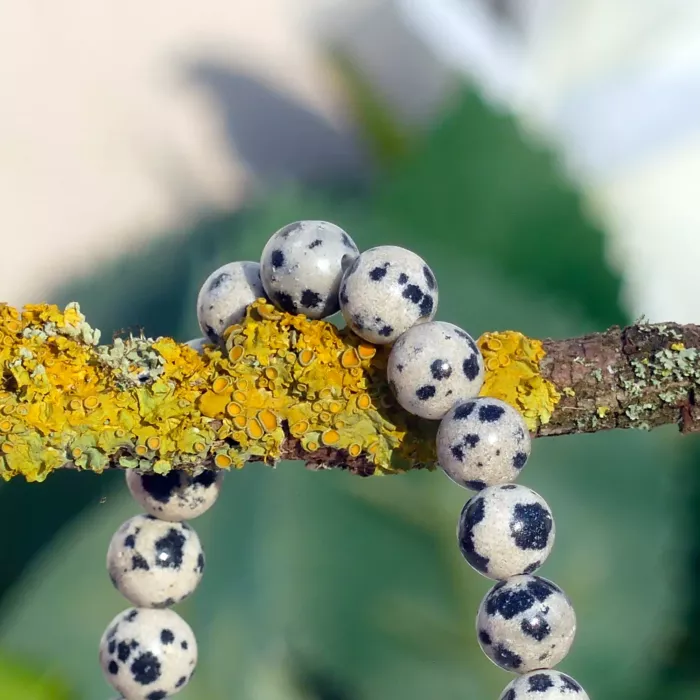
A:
x: 472, y: 514
x: 211, y: 333
x: 570, y: 684
x: 358, y: 322
x: 426, y: 305
x: 289, y: 229
x: 530, y: 526
x: 181, y: 682
x: 429, y: 277
x: 475, y: 485
x: 113, y: 667
x: 506, y: 658
x: 112, y: 646
x: 378, y: 273
x: 161, y: 488
x: 536, y: 627
x: 123, y: 651
x: 347, y: 241
x: 470, y: 367
x: 403, y: 278
x: 457, y: 452
x: 315, y: 244
x: 508, y: 487
x: 509, y: 603
x: 145, y: 668
x: 471, y: 440
x: 490, y: 413
x: 540, y: 683
x: 413, y: 293
x: 130, y: 541
x: 218, y: 281
x: 286, y: 303
x: 112, y: 632
x: 532, y: 567
x: 519, y: 460
x: 277, y: 259
x: 167, y: 636
x: 510, y: 695
x: 440, y: 369
x: 157, y: 695
x: 138, y: 562
x: 385, y: 331
x: 399, y: 368
x: 425, y: 392
x: 310, y: 299
x: 168, y: 602
x: 205, y: 479
x: 464, y: 410
x: 184, y: 645
x: 169, y: 550
x: 485, y: 638
x: 200, y: 563
x: 541, y: 589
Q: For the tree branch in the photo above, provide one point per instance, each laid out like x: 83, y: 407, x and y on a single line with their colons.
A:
x: 285, y: 387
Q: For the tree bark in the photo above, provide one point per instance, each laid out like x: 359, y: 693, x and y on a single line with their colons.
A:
x: 155, y: 405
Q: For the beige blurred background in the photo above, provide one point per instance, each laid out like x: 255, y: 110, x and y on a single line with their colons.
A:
x: 110, y: 134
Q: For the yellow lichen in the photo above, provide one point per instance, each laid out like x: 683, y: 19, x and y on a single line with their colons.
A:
x: 513, y: 375
x: 157, y: 404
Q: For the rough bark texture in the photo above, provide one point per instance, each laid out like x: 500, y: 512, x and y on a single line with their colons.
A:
x: 642, y: 376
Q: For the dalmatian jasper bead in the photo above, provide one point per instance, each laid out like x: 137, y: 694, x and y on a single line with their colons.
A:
x: 154, y: 563
x: 431, y: 366
x: 506, y: 530
x: 526, y: 623
x: 148, y: 654
x: 175, y: 496
x: 386, y: 291
x: 544, y: 685
x: 482, y: 442
x: 198, y: 344
x: 302, y: 265
x: 225, y: 296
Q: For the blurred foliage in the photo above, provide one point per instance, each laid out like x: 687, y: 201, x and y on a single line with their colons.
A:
x: 323, y: 586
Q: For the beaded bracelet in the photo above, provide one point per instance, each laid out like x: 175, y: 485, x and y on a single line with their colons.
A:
x: 387, y: 295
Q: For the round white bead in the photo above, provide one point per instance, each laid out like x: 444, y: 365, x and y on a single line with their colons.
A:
x: 154, y: 563
x: 198, y: 344
x: 482, y: 442
x: 386, y: 291
x: 544, y: 685
x: 526, y: 623
x: 302, y: 265
x: 505, y: 531
x: 177, y: 495
x: 225, y: 296
x: 432, y: 366
x: 148, y: 654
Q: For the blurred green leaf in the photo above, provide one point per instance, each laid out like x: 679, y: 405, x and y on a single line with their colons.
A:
x: 19, y: 681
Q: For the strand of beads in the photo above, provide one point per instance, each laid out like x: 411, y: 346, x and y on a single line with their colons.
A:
x: 387, y: 295
x: 155, y: 560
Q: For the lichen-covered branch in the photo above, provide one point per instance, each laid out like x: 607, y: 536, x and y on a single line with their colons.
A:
x: 286, y: 387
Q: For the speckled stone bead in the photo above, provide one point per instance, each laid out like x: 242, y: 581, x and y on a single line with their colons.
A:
x: 302, y: 265
x: 177, y: 495
x: 148, y: 654
x: 386, y: 291
x: 154, y: 563
x: 505, y: 531
x: 432, y: 366
x: 198, y: 344
x: 526, y: 623
x: 225, y: 296
x: 544, y: 685
x: 482, y: 442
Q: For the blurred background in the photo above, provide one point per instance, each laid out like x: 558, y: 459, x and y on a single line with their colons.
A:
x: 542, y: 155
